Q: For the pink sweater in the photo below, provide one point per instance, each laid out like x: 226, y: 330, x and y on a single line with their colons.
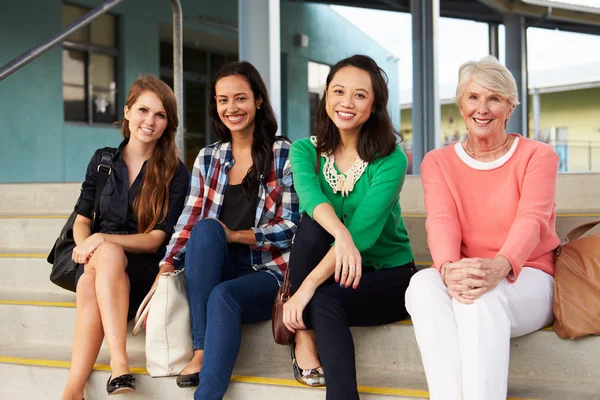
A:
x: 507, y: 210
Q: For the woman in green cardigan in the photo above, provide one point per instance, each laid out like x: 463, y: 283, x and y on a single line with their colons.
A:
x: 351, y: 261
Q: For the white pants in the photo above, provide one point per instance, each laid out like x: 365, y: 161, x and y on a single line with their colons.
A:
x: 465, y: 348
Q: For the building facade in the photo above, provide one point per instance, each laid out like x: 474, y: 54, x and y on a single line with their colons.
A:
x: 58, y: 109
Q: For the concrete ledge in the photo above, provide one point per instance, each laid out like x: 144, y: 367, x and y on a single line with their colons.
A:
x: 28, y: 274
x: 540, y: 355
x: 576, y: 192
x: 38, y: 198
x: 277, y: 382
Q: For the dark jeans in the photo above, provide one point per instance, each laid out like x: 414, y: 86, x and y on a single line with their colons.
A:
x: 378, y: 300
x: 224, y: 291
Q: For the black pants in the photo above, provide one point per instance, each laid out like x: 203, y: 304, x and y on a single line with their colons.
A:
x: 378, y: 300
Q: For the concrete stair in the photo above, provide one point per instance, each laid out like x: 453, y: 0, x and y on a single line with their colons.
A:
x: 38, y: 319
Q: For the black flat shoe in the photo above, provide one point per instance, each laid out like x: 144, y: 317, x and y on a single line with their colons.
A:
x: 189, y: 380
x: 310, y: 377
x: 121, y: 384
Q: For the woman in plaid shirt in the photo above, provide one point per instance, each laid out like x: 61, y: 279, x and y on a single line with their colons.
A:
x: 236, y: 228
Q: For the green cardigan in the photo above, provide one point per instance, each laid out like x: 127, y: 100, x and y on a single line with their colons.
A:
x: 371, y: 212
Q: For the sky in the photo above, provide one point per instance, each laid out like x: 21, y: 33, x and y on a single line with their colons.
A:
x: 461, y: 41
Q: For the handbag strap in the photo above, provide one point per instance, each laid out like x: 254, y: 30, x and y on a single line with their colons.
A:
x: 286, y: 287
x: 104, y: 169
x: 575, y: 233
x: 142, y: 311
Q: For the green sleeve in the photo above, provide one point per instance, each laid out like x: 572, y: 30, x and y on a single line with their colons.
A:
x: 303, y: 159
x: 372, y: 213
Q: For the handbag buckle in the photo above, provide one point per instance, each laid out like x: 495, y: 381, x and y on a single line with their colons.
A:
x: 108, y: 169
x: 557, y: 251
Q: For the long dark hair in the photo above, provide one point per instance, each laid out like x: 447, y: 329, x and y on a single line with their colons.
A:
x: 378, y: 137
x: 152, y: 201
x: 265, y: 123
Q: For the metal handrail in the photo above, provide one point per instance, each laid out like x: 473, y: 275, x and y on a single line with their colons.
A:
x: 40, y: 49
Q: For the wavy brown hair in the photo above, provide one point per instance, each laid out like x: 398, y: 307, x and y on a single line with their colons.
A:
x: 152, y: 201
x: 377, y: 137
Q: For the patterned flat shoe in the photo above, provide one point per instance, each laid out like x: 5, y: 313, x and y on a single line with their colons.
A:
x: 121, y: 384
x: 310, y: 377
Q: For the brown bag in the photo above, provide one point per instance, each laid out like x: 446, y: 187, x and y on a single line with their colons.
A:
x: 577, y: 284
x: 281, y: 334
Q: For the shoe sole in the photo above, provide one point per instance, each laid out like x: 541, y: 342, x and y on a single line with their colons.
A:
x: 186, y: 386
x: 122, y: 391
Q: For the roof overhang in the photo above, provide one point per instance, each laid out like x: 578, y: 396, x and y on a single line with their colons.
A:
x: 537, y: 13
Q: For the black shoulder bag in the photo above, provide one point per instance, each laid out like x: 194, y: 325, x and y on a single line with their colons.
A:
x: 63, y: 266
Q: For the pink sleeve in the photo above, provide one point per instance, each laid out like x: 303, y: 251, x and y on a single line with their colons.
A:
x: 443, y: 229
x: 536, y: 206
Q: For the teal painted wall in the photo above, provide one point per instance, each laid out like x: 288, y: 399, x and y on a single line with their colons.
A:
x: 36, y: 145
x: 31, y: 118
x: 331, y: 38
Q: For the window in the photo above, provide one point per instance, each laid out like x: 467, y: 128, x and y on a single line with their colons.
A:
x: 90, y: 59
x: 317, y: 79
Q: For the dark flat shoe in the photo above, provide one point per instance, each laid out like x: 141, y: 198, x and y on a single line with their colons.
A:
x: 189, y: 380
x: 309, y: 377
x: 121, y: 384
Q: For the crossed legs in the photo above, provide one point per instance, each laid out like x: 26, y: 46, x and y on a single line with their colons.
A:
x: 102, y: 306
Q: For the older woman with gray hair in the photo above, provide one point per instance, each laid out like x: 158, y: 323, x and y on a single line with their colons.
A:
x: 491, y: 232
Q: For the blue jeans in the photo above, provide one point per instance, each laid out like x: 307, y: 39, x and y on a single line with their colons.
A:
x: 224, y: 291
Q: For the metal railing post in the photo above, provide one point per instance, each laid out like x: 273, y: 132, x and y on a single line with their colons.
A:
x: 178, y: 73
x: 37, y: 51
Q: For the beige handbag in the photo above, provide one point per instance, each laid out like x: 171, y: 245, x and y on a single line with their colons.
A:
x: 169, y: 346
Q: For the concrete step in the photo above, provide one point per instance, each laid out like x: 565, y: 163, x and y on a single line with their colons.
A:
x: 262, y: 379
x: 29, y: 234
x: 415, y: 225
x: 20, y: 365
x: 576, y: 192
x: 38, y: 198
x: 29, y: 273
x: 540, y: 355
x: 38, y: 234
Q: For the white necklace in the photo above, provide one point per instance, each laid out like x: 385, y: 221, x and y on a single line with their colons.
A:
x: 340, y: 182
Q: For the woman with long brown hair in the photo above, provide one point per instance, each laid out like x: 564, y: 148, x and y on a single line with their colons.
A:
x: 139, y: 206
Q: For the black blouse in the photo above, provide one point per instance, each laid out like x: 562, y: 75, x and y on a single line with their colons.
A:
x: 238, y: 212
x: 116, y: 214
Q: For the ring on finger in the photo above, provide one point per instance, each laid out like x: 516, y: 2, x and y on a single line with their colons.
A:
x: 352, y: 268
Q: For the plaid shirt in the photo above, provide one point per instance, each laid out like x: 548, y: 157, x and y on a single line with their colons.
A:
x: 277, y: 213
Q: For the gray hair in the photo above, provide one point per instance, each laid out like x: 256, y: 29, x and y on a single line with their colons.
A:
x: 492, y: 75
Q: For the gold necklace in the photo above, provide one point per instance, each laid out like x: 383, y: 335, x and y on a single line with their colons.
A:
x: 480, y: 153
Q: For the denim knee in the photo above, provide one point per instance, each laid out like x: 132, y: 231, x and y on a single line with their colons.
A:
x: 221, y: 296
x: 207, y: 236
x: 207, y: 230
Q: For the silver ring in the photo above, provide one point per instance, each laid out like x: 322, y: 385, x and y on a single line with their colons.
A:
x: 352, y: 268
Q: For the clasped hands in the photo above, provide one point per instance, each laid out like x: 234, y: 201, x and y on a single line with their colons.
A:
x: 83, y: 252
x: 469, y: 278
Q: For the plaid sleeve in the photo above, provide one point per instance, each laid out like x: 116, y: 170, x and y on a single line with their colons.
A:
x: 280, y: 231
x: 190, y: 214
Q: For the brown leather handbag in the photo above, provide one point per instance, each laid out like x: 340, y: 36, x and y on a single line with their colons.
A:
x: 577, y: 284
x: 281, y: 334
